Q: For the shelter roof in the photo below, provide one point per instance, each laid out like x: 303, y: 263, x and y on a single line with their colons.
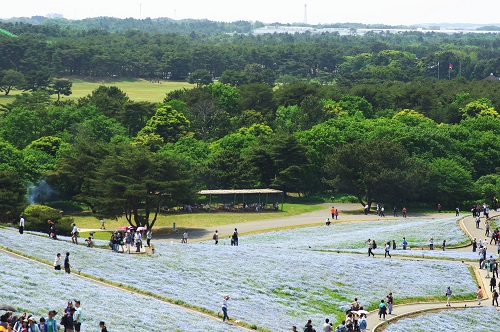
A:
x: 239, y: 191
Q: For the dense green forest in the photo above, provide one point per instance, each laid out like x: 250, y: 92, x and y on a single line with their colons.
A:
x: 314, y: 115
x: 98, y: 52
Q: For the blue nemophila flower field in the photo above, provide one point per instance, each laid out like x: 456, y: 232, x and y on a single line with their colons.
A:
x: 37, y: 289
x: 471, y: 319
x: 354, y: 235
x: 270, y: 286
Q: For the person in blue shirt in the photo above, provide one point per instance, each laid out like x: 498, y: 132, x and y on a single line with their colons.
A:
x: 448, y: 296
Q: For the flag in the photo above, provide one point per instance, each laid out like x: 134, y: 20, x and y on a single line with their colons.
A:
x: 451, y: 66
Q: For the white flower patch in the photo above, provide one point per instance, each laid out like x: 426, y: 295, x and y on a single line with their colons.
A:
x: 355, y: 234
x: 38, y: 289
x: 472, y: 319
x: 270, y: 287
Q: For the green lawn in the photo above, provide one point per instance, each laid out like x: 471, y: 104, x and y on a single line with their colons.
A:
x: 202, y: 219
x: 136, y: 89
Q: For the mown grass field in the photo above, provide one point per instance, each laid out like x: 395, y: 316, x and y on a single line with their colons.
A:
x: 136, y: 89
x: 201, y: 219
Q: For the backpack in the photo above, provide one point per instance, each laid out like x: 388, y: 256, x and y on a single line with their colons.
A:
x: 374, y: 245
x: 213, y: 237
x: 64, y: 320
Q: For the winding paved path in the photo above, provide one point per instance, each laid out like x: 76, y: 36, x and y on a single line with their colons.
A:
x: 348, y: 213
x: 469, y: 226
x: 319, y: 217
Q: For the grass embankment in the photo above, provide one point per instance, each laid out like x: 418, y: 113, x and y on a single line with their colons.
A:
x: 136, y: 89
x: 195, y: 220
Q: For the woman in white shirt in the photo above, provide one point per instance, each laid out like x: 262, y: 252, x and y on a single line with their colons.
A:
x: 57, y: 262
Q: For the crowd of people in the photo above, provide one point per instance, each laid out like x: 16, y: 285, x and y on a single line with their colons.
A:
x: 130, y: 237
x: 69, y: 321
x: 355, y: 318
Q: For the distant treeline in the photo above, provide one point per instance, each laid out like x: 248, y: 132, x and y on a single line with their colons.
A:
x: 171, y: 53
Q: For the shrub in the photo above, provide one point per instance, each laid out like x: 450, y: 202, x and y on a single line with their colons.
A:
x: 347, y: 199
x: 66, y: 206
x: 37, y: 217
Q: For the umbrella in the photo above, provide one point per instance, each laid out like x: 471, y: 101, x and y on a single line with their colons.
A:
x: 141, y: 228
x: 359, y: 312
x: 7, y: 308
x: 123, y: 228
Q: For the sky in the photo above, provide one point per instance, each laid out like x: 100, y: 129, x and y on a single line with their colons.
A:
x: 391, y: 12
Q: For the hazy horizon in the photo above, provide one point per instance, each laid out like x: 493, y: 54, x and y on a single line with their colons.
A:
x: 389, y: 12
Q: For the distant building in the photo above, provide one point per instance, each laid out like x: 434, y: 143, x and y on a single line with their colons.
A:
x: 54, y: 15
x: 271, y: 29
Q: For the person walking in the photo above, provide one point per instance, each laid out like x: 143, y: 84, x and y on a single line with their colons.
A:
x: 332, y: 210
x: 21, y: 224
x: 444, y: 245
x: 149, y: 236
x: 382, y: 310
x: 57, y: 262
x: 367, y: 209
x: 102, y: 223
x: 224, y: 307
x: 479, y: 294
x: 185, y: 237
x: 457, y: 212
x: 495, y: 298
x: 216, y: 237
x: 404, y: 212
x: 395, y: 211
x: 387, y: 249
x: 478, y: 220
x: 74, y: 234
x: 235, y: 237
x: 390, y: 300
x: 370, y: 248
x: 336, y: 214
x: 493, y: 283
x: 431, y: 243
x: 474, y: 245
x: 393, y: 245
x: 487, y: 228
x: 405, y: 243
x: 67, y: 264
x: 448, y: 296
